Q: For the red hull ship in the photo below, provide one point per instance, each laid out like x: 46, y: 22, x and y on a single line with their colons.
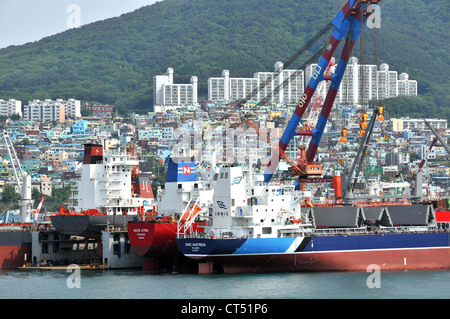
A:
x: 156, y: 240
x: 181, y: 198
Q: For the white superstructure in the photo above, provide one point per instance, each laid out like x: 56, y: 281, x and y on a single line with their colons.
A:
x: 106, y: 183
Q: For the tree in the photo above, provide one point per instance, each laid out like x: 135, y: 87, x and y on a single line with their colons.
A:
x: 86, y: 111
x: 9, y: 196
x: 25, y: 141
x: 36, y: 195
x: 159, y: 171
x: 15, y: 117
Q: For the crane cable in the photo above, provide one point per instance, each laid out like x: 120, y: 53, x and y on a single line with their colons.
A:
x: 288, y: 62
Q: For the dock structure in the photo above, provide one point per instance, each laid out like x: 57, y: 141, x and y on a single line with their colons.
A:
x: 54, y: 250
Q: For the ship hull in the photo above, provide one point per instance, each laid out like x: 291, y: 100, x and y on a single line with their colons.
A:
x: 157, y: 242
x: 15, y: 248
x: 88, y: 225
x: 323, y: 253
x: 155, y: 239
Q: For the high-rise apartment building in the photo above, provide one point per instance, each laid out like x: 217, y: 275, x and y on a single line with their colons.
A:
x: 405, y: 86
x: 166, y: 93
x: 363, y: 82
x: 10, y: 107
x: 44, y: 111
x: 387, y: 82
x: 72, y: 107
x: 367, y: 83
x: 281, y: 86
x: 50, y: 110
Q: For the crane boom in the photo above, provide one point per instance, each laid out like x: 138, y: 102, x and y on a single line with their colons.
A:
x: 347, y: 23
x: 13, y: 158
x: 279, y: 151
x: 38, y: 209
x: 23, y: 183
x: 438, y: 136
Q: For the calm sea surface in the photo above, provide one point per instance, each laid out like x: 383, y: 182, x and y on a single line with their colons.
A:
x: 133, y: 284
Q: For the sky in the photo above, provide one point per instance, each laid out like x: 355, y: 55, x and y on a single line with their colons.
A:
x: 23, y: 21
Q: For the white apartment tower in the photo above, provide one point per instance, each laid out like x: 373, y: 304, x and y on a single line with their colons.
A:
x: 49, y: 110
x: 281, y: 86
x: 166, y: 93
x: 349, y: 88
x: 358, y: 84
x: 72, y: 107
x: 387, y: 82
x: 405, y: 86
x: 44, y: 111
x: 367, y: 83
x: 363, y: 82
x: 10, y: 107
x: 231, y: 89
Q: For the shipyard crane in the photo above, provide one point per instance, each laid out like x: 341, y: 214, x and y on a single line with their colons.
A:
x: 278, y: 150
x: 417, y: 175
x: 303, y: 169
x: 23, y: 181
x: 360, y: 154
x: 38, y: 210
x: 438, y: 136
x: 315, y: 109
x: 348, y: 24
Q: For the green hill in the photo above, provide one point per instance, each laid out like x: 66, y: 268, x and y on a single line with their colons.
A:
x: 114, y: 61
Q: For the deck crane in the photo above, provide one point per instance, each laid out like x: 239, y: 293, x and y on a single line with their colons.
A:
x: 348, y: 24
x: 23, y: 182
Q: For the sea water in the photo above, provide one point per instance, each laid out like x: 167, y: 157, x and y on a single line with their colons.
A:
x: 138, y: 284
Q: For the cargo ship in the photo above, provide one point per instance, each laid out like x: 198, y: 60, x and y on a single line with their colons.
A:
x: 110, y: 193
x: 181, y: 203
x: 270, y: 227
x: 265, y: 227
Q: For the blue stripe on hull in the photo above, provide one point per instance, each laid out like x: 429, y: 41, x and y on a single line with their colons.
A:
x: 238, y: 247
x: 265, y: 246
x: 371, y: 242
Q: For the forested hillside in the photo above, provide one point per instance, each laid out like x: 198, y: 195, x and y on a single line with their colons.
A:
x: 113, y: 61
